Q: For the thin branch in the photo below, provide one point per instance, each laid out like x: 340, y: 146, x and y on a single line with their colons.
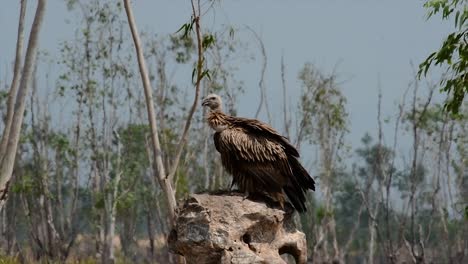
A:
x: 416, y: 141
x: 183, y: 138
x: 352, y: 235
x: 389, y: 177
x: 286, y: 121
x: 261, y: 83
x: 75, y: 164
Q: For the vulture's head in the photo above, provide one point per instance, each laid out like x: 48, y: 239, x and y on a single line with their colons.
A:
x: 213, y: 101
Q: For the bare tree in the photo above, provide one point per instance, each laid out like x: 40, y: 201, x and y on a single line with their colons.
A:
x: 417, y: 249
x: 14, y: 82
x: 50, y: 220
x: 7, y: 163
x: 158, y: 164
x: 324, y: 122
x: 166, y: 180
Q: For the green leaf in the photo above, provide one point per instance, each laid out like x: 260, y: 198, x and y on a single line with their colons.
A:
x: 186, y: 29
x: 206, y: 73
x: 193, y: 74
x: 183, y: 27
x: 208, y: 41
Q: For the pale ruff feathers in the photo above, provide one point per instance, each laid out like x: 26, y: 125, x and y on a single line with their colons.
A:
x: 216, y: 122
x: 220, y: 128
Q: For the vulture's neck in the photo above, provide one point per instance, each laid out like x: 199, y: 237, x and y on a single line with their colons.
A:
x: 217, y: 120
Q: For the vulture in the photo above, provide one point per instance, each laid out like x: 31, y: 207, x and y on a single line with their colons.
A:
x: 259, y: 159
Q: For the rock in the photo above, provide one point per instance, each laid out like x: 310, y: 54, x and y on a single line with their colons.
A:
x: 230, y: 229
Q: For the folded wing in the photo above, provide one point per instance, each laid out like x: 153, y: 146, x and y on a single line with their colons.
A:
x: 261, y: 160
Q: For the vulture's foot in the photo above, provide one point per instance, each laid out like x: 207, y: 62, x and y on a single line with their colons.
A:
x: 245, y: 196
x: 279, y: 198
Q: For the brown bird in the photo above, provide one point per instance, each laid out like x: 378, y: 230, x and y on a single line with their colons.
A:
x: 259, y: 159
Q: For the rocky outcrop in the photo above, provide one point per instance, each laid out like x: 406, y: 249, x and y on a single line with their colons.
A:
x: 230, y: 229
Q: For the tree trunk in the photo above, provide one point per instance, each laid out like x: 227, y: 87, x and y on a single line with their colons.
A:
x: 150, y: 230
x: 159, y: 170
x: 8, y: 160
x: 372, y: 242
x: 112, y: 235
x: 14, y: 82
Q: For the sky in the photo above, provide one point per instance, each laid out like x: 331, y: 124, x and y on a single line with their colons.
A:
x: 369, y: 43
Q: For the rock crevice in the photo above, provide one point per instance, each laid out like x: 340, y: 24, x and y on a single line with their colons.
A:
x: 230, y: 229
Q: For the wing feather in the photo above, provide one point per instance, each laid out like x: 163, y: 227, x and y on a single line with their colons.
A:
x: 250, y: 157
x: 261, y: 160
x: 250, y: 147
x: 257, y: 127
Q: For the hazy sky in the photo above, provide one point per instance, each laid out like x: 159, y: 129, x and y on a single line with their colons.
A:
x: 367, y: 39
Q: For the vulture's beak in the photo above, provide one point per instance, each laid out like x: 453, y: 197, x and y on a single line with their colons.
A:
x: 205, y: 102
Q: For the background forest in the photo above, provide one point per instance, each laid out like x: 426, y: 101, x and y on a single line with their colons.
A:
x: 84, y: 185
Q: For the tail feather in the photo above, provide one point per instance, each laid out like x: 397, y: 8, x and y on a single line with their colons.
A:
x: 296, y: 198
x: 301, y: 175
x: 298, y: 185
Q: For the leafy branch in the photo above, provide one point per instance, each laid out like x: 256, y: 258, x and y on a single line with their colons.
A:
x: 453, y: 53
x: 203, y: 43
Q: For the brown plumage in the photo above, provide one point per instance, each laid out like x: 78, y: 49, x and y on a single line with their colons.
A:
x: 259, y: 159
